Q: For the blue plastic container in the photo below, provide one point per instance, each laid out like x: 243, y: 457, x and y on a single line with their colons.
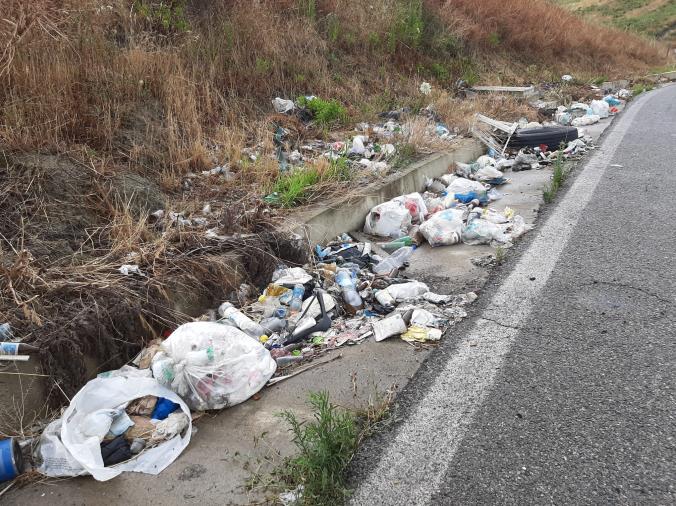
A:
x: 11, y: 459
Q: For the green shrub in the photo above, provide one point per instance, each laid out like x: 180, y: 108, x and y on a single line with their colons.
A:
x: 325, y: 112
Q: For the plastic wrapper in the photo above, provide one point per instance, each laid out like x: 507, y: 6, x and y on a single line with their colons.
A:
x: 212, y: 366
x: 480, y: 231
x: 405, y: 291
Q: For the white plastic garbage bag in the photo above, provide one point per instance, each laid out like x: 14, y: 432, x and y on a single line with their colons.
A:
x: 587, y: 119
x: 487, y: 173
x: 485, y: 161
x: 601, y: 108
x: 282, y: 106
x: 443, y: 228
x: 389, y: 219
x: 358, y: 144
x: 54, y: 460
x: 415, y: 204
x: 462, y: 185
x: 68, y: 451
x: 212, y: 366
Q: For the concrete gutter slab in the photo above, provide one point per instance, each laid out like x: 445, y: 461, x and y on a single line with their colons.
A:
x: 322, y: 222
x: 524, y: 91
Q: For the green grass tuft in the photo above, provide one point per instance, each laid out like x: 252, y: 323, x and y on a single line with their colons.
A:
x: 297, y: 186
x: 325, y: 112
x: 326, y: 445
x: 558, y: 177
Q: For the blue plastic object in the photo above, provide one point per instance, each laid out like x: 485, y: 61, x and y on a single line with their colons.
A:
x: 11, y: 459
x: 163, y: 408
x: 468, y: 197
x: 611, y: 100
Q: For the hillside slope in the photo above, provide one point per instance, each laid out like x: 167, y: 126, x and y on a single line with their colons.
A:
x: 107, y: 107
x: 654, y: 18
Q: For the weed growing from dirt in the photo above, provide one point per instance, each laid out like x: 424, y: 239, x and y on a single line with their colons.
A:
x: 405, y: 154
x: 639, y: 88
x: 326, y: 444
x: 500, y: 254
x: 293, y: 188
x: 325, y: 112
x: 558, y: 177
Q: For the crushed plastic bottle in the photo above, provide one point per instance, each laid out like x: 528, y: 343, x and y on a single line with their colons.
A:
x: 394, y: 261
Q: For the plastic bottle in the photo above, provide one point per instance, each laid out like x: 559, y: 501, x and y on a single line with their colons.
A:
x: 397, y: 244
x: 297, y: 299
x: 272, y: 325
x: 394, y: 261
x: 384, y: 298
x: 351, y: 296
x: 288, y: 360
x: 242, y: 321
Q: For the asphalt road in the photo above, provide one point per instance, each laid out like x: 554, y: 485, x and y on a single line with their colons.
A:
x: 561, y: 390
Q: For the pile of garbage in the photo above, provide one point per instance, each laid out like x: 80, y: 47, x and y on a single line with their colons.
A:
x: 139, y: 418
x: 371, y: 147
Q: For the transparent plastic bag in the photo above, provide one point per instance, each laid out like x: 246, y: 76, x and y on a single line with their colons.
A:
x: 480, y: 231
x: 443, y: 228
x: 66, y: 449
x: 212, y: 366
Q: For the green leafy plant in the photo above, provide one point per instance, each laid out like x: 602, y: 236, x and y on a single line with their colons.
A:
x: 639, y: 88
x: 440, y: 71
x: 500, y: 254
x: 558, y: 176
x: 263, y: 66
x: 293, y: 188
x: 164, y: 15
x: 494, y: 39
x: 409, y: 26
x: 297, y: 187
x: 326, y: 445
x: 307, y: 8
x: 325, y: 112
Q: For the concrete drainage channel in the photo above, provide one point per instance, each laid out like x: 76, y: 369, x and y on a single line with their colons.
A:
x: 228, y: 448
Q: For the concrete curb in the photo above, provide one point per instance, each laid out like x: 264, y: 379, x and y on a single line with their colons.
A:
x: 322, y: 223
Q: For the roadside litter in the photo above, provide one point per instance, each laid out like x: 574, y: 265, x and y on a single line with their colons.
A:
x: 96, y: 434
x: 139, y: 417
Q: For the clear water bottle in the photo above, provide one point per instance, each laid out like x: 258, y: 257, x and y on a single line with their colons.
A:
x: 297, y: 299
x: 242, y: 321
x: 394, y: 261
x: 351, y: 296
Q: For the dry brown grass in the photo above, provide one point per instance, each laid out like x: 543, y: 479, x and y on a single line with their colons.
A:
x: 78, y: 73
x: 99, y: 83
x: 538, y: 32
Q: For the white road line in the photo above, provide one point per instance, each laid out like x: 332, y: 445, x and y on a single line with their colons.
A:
x: 412, y: 466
